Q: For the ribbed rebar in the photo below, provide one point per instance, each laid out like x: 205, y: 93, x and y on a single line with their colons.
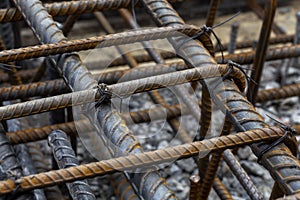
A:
x: 221, y: 191
x: 241, y: 112
x: 127, y: 37
x: 65, y: 157
x: 194, y: 187
x: 123, y: 190
x: 9, y: 166
x: 67, y: 8
x: 140, y: 160
x: 213, y: 165
x: 28, y: 168
x: 258, y: 63
x: 212, y: 12
x: 242, y: 176
x: 41, y: 165
x: 275, y: 53
x: 79, y: 78
x: 58, y: 86
x: 121, y: 89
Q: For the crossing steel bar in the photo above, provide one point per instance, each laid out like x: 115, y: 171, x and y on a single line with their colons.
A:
x: 240, y: 111
x: 140, y: 160
x: 67, y: 8
x: 58, y: 86
x: 121, y: 89
x: 79, y: 78
x: 70, y: 46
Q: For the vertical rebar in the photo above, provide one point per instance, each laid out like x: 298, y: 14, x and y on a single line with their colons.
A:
x: 260, y: 55
x: 194, y: 187
x: 233, y: 37
x: 65, y: 157
x: 41, y: 165
x: 297, y: 37
x: 26, y: 163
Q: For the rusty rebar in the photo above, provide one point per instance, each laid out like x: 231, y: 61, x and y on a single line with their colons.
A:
x: 121, y: 89
x: 140, y: 160
x: 213, y: 165
x: 194, y: 187
x: 142, y: 116
x: 196, y: 55
x: 122, y: 188
x: 240, y: 45
x: 67, y: 8
x: 79, y: 78
x: 269, y: 13
x: 260, y: 12
x: 212, y: 12
x: 58, y: 86
x: 70, y: 46
x: 221, y: 191
x: 275, y: 53
x: 65, y: 158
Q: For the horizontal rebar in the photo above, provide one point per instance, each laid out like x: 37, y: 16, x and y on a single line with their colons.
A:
x: 58, y: 86
x: 120, y: 89
x: 69, y: 46
x: 140, y: 160
x: 67, y: 8
x: 142, y: 116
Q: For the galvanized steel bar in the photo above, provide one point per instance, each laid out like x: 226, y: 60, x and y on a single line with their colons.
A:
x: 140, y: 160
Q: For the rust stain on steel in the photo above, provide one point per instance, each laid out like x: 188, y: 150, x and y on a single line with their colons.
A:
x: 136, y: 161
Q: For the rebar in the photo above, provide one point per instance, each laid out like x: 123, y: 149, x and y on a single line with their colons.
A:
x: 108, y: 118
x: 195, y: 52
x: 65, y: 157
x: 242, y: 176
x: 67, y: 8
x: 141, y: 160
x: 196, y: 55
x: 233, y: 37
x: 127, y: 37
x: 121, y: 89
x: 258, y: 63
x: 194, y: 187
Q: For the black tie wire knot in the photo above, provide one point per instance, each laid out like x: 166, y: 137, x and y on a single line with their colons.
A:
x: 206, y: 30
x: 105, y: 94
x: 289, y: 132
x: 231, y: 65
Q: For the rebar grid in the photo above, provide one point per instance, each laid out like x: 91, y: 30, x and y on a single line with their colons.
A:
x: 139, y: 161
x: 280, y: 161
